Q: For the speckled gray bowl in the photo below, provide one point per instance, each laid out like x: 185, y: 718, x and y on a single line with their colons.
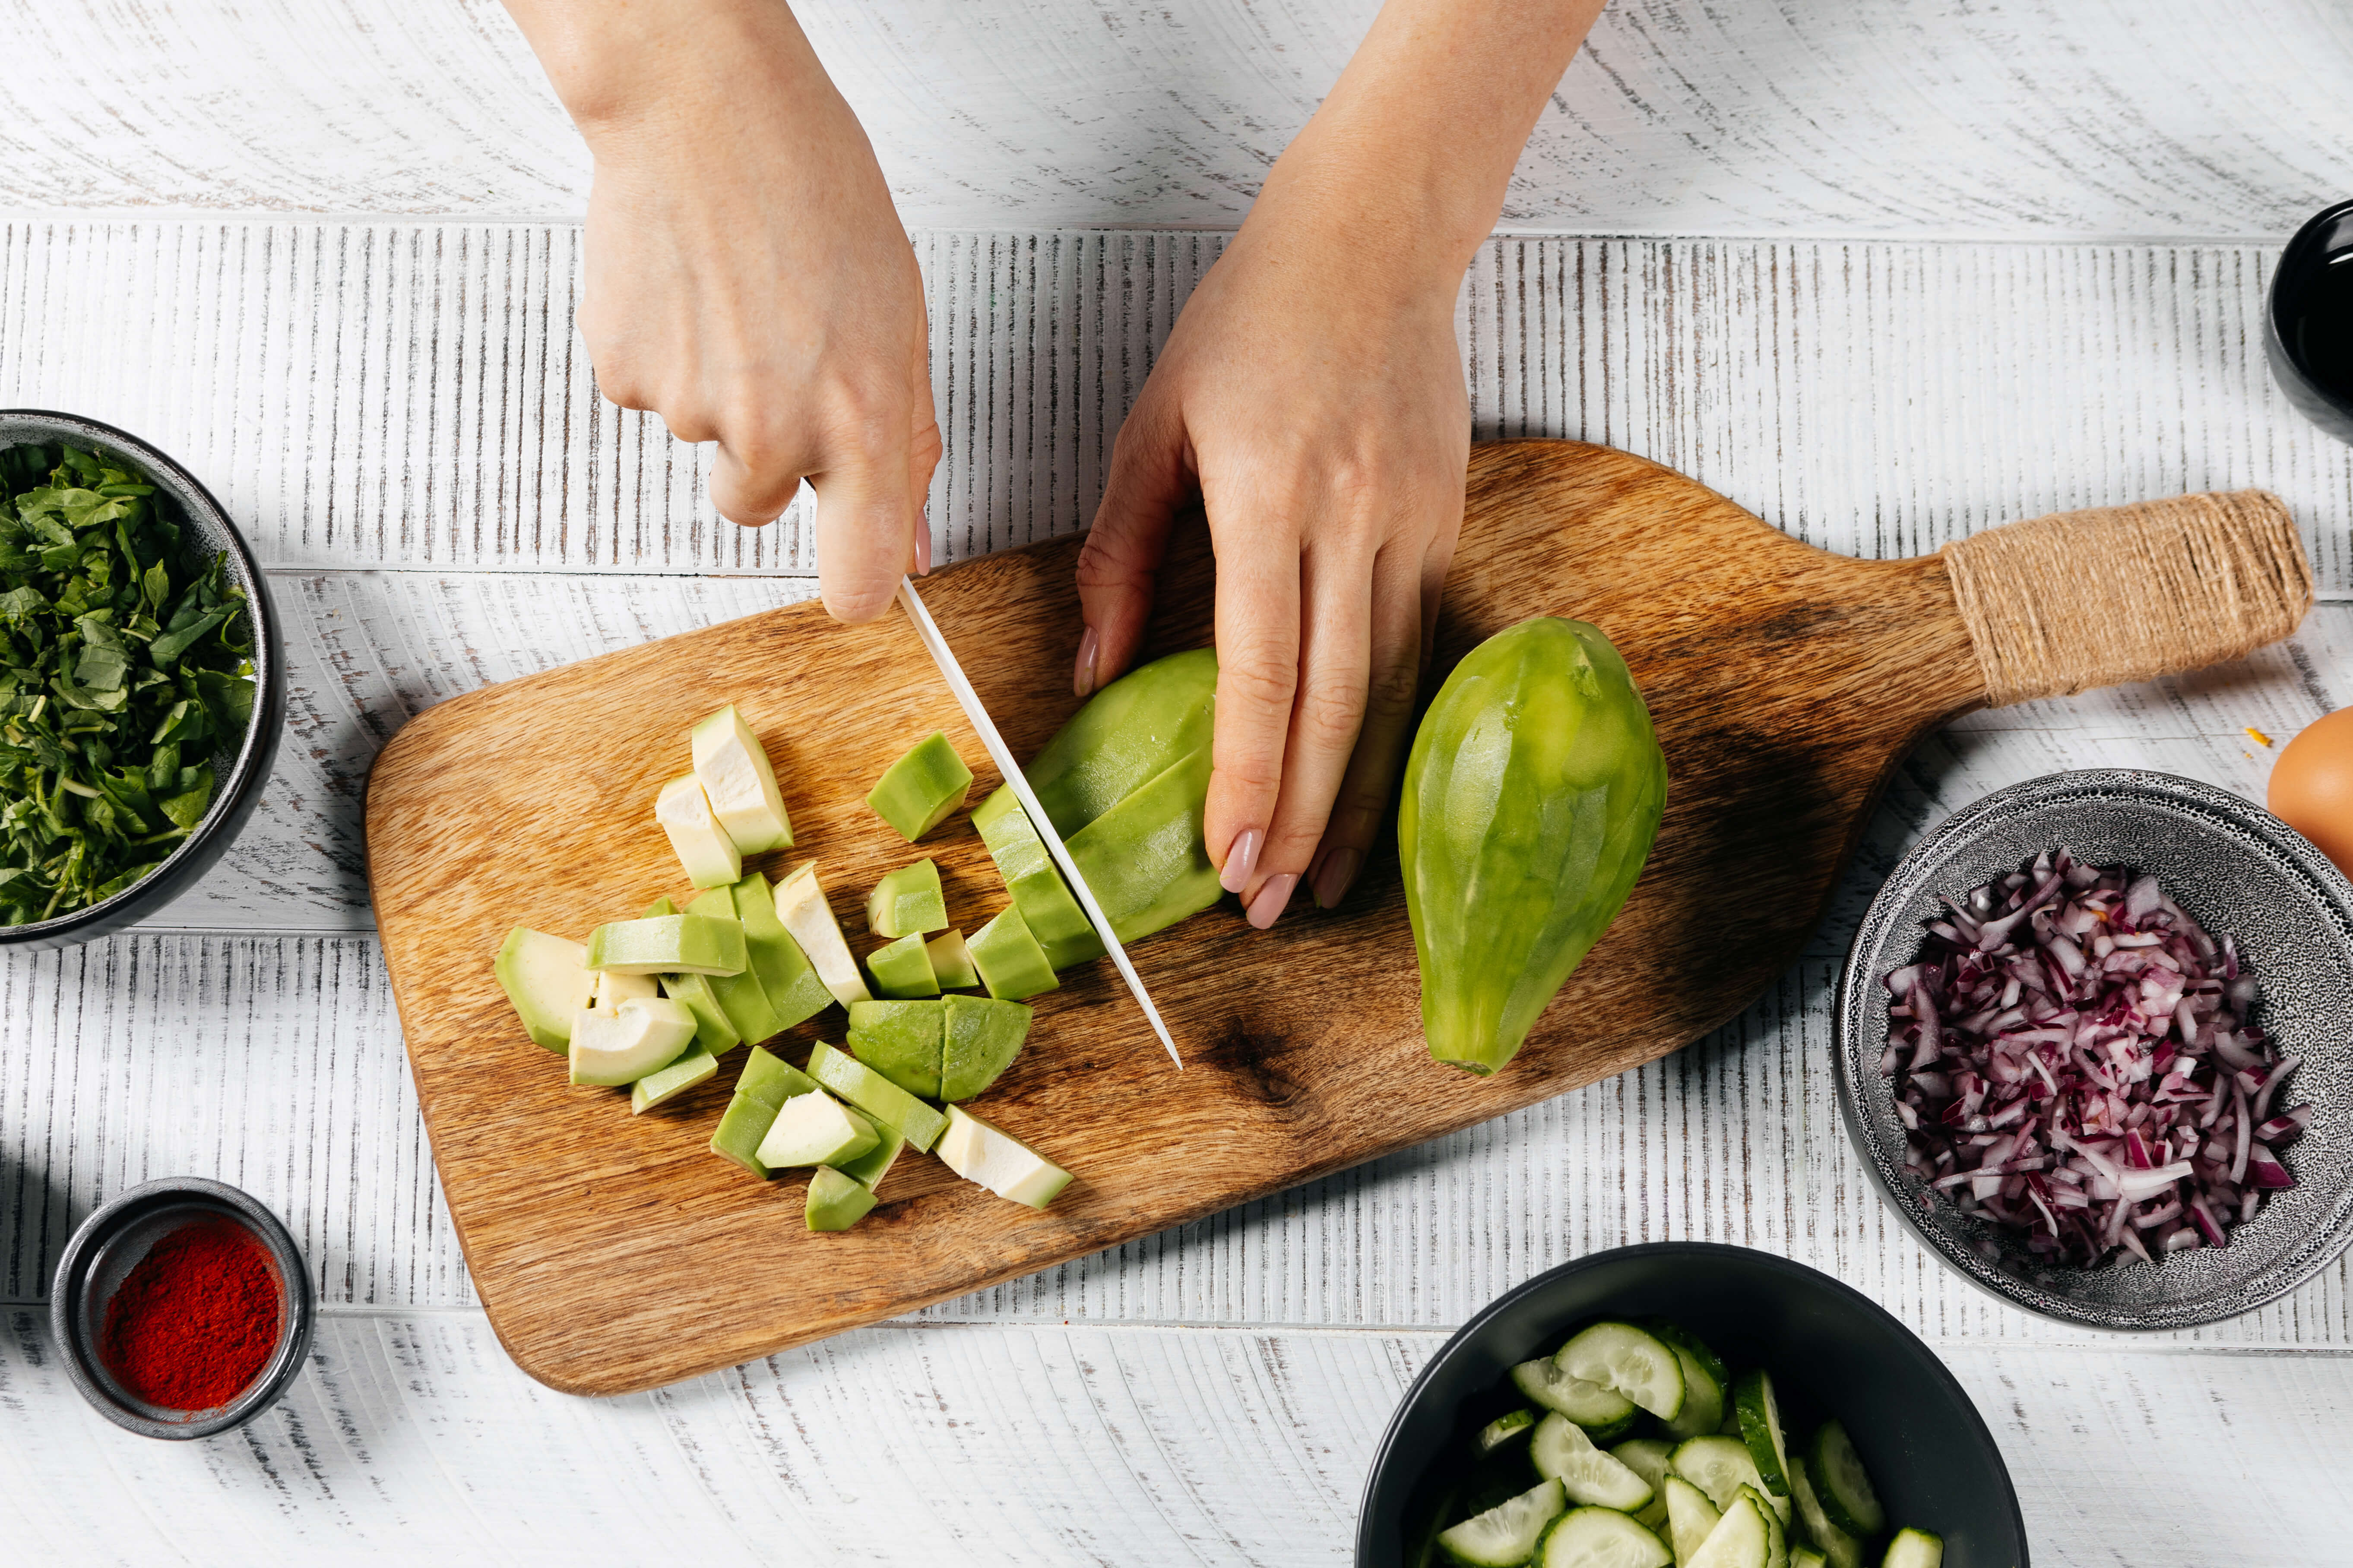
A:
x: 2234, y: 867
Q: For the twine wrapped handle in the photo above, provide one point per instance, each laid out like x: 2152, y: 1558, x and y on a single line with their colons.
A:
x: 2062, y: 603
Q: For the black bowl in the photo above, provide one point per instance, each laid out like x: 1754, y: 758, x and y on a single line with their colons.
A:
x: 1832, y: 1352
x: 2328, y: 233
x: 110, y: 1243
x: 241, y: 769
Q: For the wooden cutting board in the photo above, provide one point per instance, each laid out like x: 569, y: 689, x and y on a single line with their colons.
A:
x: 613, y: 1253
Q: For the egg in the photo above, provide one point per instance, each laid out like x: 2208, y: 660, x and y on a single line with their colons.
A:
x: 2312, y: 786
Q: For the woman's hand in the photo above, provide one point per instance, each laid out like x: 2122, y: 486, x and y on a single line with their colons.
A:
x: 1312, y: 396
x: 747, y: 276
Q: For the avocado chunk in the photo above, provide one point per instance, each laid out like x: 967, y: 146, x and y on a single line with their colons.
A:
x: 1011, y: 964
x: 984, y: 1036
x: 869, y: 1169
x: 696, y: 1066
x: 837, y: 1202
x: 701, y: 846
x: 793, y: 987
x: 801, y: 905
x: 951, y: 961
x: 903, y: 1041
x: 1144, y: 859
x: 737, y: 779
x: 877, y: 1096
x: 547, y: 980
x: 761, y: 1090
x: 1007, y: 1167
x: 741, y: 996
x: 614, y: 1046
x: 668, y: 944
x: 1045, y: 900
x: 902, y: 969
x: 919, y: 790
x: 908, y: 901
x: 714, y: 1033
x: 816, y: 1129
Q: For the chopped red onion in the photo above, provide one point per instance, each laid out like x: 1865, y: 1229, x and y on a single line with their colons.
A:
x: 2073, y: 1058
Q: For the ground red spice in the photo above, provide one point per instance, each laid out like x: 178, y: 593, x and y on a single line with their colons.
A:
x: 195, y: 1321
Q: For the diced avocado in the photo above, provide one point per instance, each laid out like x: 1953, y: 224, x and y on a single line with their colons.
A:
x: 614, y: 1046
x: 877, y: 1096
x: 741, y: 785
x: 670, y: 944
x: 1011, y: 964
x: 869, y: 1169
x: 837, y: 1202
x: 902, y: 969
x: 920, y: 790
x: 1045, y: 900
x: 662, y: 906
x: 907, y: 901
x: 816, y: 1129
x: 984, y: 1036
x: 801, y: 905
x: 546, y: 978
x: 997, y: 1160
x: 714, y: 1032
x: 903, y: 1041
x: 701, y: 844
x: 741, y: 996
x: 667, y: 1083
x: 794, y: 989
x: 951, y: 961
x: 765, y: 1084
x: 1144, y: 859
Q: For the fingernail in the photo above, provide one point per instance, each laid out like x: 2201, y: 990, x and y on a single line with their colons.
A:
x: 1332, y: 877
x: 1083, y: 678
x: 1241, y: 859
x: 924, y: 551
x: 1268, y: 906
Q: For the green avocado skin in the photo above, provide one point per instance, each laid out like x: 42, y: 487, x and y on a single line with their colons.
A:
x: 1128, y: 734
x: 1532, y: 797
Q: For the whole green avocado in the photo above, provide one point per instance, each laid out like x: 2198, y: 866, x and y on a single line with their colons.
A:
x: 1532, y: 796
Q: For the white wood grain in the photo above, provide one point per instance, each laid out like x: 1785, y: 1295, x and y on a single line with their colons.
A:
x: 412, y: 1439
x: 2054, y: 118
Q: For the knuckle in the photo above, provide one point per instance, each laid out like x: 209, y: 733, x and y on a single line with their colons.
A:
x: 1393, y: 688
x: 1254, y: 775
x: 1258, y: 682
x: 1330, y: 717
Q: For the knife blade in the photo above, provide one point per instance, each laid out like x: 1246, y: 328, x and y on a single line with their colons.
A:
x: 1002, y: 755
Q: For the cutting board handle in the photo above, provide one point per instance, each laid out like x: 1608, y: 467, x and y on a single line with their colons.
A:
x: 2062, y: 603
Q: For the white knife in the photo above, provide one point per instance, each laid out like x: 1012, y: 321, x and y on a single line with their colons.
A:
x: 999, y: 753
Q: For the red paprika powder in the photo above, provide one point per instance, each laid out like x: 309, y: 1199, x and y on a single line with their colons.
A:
x: 195, y: 1321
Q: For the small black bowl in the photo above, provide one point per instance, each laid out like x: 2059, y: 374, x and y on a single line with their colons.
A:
x: 1831, y: 1350
x: 242, y: 769
x: 110, y: 1243
x: 2302, y: 266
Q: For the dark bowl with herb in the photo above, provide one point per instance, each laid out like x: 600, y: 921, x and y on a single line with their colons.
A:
x: 143, y: 679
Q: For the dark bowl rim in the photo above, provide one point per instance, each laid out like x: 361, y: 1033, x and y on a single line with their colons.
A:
x: 234, y: 802
x: 1800, y: 1275
x: 2292, y: 254
x: 2143, y: 785
x: 286, y: 1360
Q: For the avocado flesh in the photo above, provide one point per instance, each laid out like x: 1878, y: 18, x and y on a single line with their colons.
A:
x: 1046, y: 904
x: 741, y: 996
x: 1011, y: 964
x: 547, y: 979
x: 665, y: 944
x: 740, y: 783
x: 697, y: 1065
x: 794, y: 990
x: 616, y: 1046
x: 836, y: 1202
x: 703, y: 847
x: 816, y: 1129
x: 766, y: 1082
x: 1128, y: 733
x: 919, y: 790
x: 869, y: 1169
x: 902, y: 969
x: 907, y: 901
x: 984, y: 1036
x: 903, y: 1041
x: 981, y: 1153
x: 801, y: 904
x: 951, y: 961
x: 714, y: 1033
x: 1144, y: 859
x: 877, y: 1096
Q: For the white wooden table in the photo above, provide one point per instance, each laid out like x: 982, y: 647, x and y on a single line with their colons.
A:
x: 1884, y: 272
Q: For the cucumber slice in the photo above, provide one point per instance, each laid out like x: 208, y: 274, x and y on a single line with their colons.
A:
x: 1507, y: 1534
x: 1839, y: 1480
x: 1743, y: 1538
x: 1915, y: 1549
x: 1776, y: 1538
x: 1807, y: 1557
x: 1589, y: 1405
x: 1760, y: 1428
x: 1703, y: 1391
x: 1684, y: 1340
x: 1505, y: 1429
x: 1720, y: 1467
x: 1647, y: 1457
x: 1838, y: 1548
x: 1560, y: 1450
x: 1690, y: 1517
x: 1599, y: 1538
x: 1635, y: 1362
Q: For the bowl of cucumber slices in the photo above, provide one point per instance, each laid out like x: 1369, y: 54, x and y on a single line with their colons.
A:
x: 1685, y: 1405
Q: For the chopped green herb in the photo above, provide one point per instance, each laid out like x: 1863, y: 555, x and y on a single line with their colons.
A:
x: 126, y: 660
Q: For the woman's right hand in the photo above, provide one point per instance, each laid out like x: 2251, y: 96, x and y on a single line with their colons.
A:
x: 747, y: 276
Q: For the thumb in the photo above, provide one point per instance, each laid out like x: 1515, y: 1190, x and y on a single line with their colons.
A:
x: 866, y: 515
x: 1148, y: 483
